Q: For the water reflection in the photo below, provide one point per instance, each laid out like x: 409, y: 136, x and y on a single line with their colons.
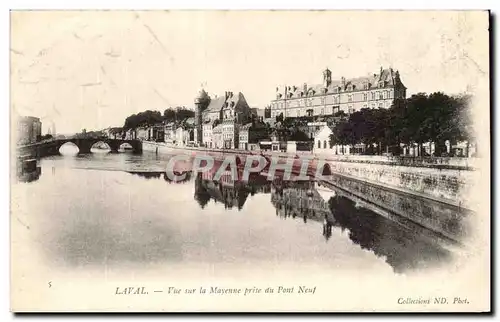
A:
x: 30, y: 176
x: 163, y: 175
x: 136, y: 217
x: 402, y: 247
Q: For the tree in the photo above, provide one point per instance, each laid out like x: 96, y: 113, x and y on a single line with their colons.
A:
x: 169, y: 115
x: 419, y: 119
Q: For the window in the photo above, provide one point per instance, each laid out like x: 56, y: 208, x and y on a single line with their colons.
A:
x: 350, y: 109
x: 365, y: 106
x: 385, y: 94
x: 319, y: 144
x: 324, y: 144
x: 349, y: 98
x: 373, y: 96
x: 380, y: 105
x: 390, y: 94
x: 322, y: 111
x: 365, y: 97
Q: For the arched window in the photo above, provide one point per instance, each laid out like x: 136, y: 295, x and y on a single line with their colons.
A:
x: 324, y: 144
x: 319, y: 144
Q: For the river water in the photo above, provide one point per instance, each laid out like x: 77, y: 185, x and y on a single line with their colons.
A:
x: 120, y: 210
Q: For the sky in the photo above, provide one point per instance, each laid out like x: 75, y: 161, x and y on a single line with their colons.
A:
x: 91, y: 69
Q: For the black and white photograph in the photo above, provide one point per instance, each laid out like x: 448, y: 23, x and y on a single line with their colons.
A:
x: 249, y: 161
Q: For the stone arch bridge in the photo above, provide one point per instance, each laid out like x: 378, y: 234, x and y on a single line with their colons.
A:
x: 46, y: 148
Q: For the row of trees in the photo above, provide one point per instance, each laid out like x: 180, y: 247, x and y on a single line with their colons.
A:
x: 149, y: 117
x: 419, y: 119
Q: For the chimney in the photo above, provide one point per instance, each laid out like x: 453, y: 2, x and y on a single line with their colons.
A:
x: 305, y: 88
x: 343, y: 80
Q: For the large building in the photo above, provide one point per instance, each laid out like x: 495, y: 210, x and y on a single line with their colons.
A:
x: 29, y: 130
x: 377, y: 90
x: 228, y: 111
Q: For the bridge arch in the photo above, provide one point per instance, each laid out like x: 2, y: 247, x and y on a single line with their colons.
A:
x: 125, y: 146
x: 100, y: 147
x: 68, y: 148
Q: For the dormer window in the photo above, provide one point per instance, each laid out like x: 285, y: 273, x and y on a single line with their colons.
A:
x: 325, y: 90
x: 232, y: 104
x: 381, y: 84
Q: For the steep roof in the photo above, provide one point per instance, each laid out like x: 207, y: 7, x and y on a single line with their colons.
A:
x: 388, y: 76
x: 322, y: 130
x: 216, y: 104
x: 218, y: 128
x: 234, y: 98
x: 246, y: 126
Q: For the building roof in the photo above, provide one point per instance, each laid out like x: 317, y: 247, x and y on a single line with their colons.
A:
x: 246, y: 126
x: 232, y: 99
x: 321, y: 130
x: 218, y: 128
x: 216, y: 104
x: 201, y: 96
x: 388, y: 76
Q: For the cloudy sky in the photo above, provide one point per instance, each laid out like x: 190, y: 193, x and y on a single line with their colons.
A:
x: 91, y: 69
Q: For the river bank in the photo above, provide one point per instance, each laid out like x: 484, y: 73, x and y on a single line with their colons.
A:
x: 447, y: 180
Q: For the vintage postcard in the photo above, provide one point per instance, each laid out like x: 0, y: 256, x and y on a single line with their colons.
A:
x: 250, y: 161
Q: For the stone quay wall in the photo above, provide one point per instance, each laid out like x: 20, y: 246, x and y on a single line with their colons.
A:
x: 447, y: 180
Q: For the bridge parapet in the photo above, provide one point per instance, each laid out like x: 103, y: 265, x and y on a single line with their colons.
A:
x: 47, y: 148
